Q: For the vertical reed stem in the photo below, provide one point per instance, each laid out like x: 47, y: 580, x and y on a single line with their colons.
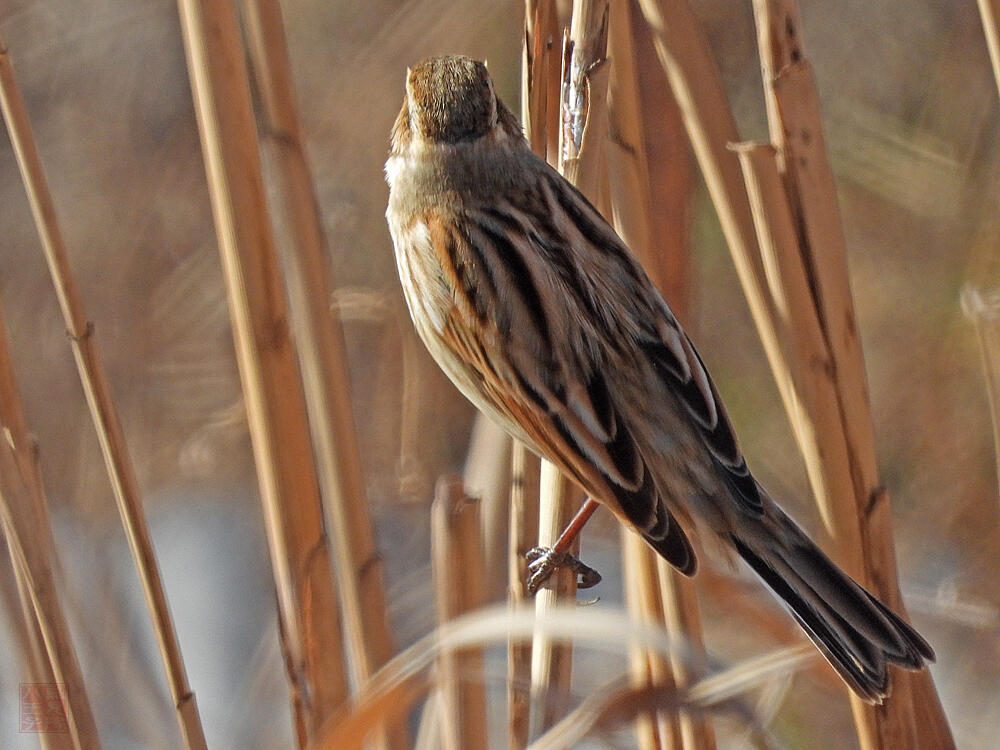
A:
x: 279, y: 429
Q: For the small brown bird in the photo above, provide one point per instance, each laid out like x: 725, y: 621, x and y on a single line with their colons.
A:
x: 541, y: 316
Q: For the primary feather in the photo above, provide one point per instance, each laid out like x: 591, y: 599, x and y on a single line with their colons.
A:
x: 537, y: 311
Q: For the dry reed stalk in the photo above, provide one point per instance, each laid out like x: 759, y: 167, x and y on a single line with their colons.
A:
x: 24, y: 518
x: 524, y: 502
x: 659, y: 594
x: 990, y: 12
x: 325, y: 375
x: 658, y: 730
x: 279, y: 429
x: 860, y: 517
x: 102, y: 408
x: 459, y: 575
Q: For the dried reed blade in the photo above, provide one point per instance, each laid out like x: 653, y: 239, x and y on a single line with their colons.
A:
x: 457, y: 560
x: 102, y: 408
x: 860, y: 519
x: 279, y: 429
x: 24, y: 518
x: 990, y: 12
x: 393, y: 688
x: 322, y: 357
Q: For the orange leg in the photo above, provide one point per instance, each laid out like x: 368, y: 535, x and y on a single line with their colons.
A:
x: 544, y: 561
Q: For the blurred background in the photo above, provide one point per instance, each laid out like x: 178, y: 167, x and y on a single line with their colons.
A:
x: 911, y: 114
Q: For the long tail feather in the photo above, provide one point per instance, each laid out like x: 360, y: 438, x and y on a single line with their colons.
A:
x: 857, y: 634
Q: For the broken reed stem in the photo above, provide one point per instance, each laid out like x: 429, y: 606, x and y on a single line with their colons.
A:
x: 487, y: 477
x: 24, y: 518
x: 322, y: 356
x: 990, y: 12
x: 860, y: 516
x: 459, y: 575
x: 279, y: 429
x: 584, y: 115
x: 657, y: 593
x: 102, y: 408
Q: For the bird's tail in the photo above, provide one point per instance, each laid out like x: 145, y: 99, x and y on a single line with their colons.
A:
x: 857, y: 634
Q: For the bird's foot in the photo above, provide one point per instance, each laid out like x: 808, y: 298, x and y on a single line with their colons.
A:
x: 544, y: 561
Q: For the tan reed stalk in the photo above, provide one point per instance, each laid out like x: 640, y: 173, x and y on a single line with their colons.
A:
x: 658, y: 730
x: 102, y: 407
x: 524, y: 502
x: 859, y: 517
x: 321, y: 351
x: 659, y: 594
x: 279, y: 429
x: 457, y: 561
x: 990, y: 12
x: 24, y: 518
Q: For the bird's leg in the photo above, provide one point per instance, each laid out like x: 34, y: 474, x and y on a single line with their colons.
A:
x: 544, y: 561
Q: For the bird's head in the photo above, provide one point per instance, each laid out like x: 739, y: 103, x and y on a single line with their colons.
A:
x: 450, y: 100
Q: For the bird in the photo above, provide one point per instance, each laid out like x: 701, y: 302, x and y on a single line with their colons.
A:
x: 541, y: 316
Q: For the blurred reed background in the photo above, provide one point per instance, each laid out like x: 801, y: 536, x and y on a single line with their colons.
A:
x: 910, y: 113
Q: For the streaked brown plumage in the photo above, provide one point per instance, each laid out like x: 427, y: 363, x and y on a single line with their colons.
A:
x: 537, y: 311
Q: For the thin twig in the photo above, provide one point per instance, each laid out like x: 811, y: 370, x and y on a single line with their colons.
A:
x: 279, y: 429
x: 102, y: 407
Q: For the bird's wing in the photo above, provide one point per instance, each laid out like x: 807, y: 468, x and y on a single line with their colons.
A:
x: 644, y: 317
x: 507, y: 328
